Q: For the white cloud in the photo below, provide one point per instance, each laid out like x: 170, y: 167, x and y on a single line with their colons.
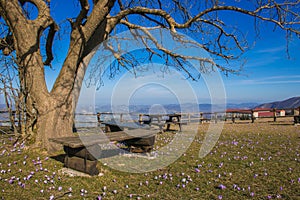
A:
x: 293, y: 79
x: 272, y: 50
x: 264, y: 61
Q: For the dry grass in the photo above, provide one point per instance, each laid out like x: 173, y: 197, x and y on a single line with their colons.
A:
x: 257, y: 161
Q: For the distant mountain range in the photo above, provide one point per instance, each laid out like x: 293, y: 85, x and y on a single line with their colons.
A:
x: 293, y: 102
x: 170, y: 108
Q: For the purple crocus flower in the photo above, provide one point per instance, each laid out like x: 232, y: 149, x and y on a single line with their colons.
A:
x: 221, y: 165
x: 99, y: 197
x: 281, y: 188
x: 222, y: 187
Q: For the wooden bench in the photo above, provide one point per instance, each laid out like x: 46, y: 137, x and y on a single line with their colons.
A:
x: 83, y: 152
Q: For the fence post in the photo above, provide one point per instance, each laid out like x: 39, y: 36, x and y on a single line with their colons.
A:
x: 201, y: 117
x: 98, y: 117
x: 121, y: 117
x: 216, y: 117
x: 189, y: 117
x: 274, y: 114
x: 140, y: 118
x: 252, y: 116
x: 233, y: 117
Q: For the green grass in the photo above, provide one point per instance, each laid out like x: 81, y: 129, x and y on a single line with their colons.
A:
x: 253, y: 161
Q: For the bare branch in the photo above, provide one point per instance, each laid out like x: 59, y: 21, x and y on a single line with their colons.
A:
x: 83, y: 12
x: 222, y: 31
x: 7, y: 44
x: 178, y: 57
x: 256, y: 13
x: 225, y: 40
x: 49, y: 43
x: 143, y: 10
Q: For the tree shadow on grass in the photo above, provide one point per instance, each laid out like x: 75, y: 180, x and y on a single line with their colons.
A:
x: 282, y: 124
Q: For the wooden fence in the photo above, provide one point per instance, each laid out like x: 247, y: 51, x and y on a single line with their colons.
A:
x: 95, y: 119
x: 231, y: 114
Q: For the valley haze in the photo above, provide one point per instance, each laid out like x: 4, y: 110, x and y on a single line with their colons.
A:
x: 293, y: 102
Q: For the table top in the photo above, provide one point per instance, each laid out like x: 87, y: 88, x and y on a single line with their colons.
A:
x: 130, y: 125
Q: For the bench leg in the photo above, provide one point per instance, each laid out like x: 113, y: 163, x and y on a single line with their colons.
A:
x: 81, y: 160
x: 82, y: 165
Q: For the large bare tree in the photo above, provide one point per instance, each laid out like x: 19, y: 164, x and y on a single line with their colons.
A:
x: 30, y: 41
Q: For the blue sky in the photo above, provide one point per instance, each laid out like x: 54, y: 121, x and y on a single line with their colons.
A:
x: 268, y: 75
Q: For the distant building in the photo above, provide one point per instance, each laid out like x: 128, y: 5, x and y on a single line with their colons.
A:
x: 267, y: 112
x: 257, y: 112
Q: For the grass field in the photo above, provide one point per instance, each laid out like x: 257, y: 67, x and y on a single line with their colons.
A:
x: 249, y: 161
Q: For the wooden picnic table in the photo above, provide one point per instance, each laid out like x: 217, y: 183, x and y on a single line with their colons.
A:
x: 174, y: 119
x: 169, y: 119
x: 83, y: 152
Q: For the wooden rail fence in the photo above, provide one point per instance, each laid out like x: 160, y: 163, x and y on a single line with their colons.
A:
x: 230, y: 114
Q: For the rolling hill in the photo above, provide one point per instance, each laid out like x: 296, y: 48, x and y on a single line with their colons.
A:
x: 293, y: 102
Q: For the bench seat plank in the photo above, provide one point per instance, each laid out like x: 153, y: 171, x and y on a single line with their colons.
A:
x: 88, y: 140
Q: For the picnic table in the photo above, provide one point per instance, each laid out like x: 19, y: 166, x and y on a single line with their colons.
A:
x: 164, y: 119
x: 83, y: 152
x: 174, y: 119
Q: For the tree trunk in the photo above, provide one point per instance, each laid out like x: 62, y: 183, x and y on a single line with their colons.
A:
x: 56, y: 123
